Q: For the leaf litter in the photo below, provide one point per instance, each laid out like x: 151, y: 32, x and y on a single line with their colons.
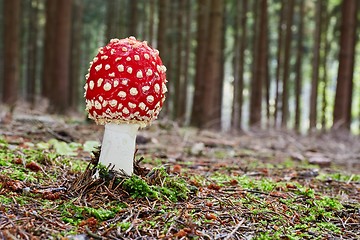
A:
x: 189, y: 184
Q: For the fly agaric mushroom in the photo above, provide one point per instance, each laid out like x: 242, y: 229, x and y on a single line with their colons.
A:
x: 125, y: 90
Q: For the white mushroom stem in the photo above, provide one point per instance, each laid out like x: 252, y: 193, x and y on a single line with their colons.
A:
x: 118, y: 146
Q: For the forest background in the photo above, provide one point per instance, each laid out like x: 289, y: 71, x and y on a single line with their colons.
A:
x: 232, y: 64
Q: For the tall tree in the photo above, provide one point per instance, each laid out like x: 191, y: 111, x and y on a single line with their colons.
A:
x: 76, y: 39
x: 178, y: 7
x: 342, y: 108
x: 32, y: 51
x: 182, y: 47
x: 325, y: 49
x: 59, y: 98
x: 211, y: 97
x: 172, y: 61
x: 111, y: 19
x: 151, y: 26
x: 11, y: 50
x: 202, y: 44
x: 134, y: 18
x: 47, y: 78
x: 240, y: 43
x: 279, y: 60
x: 286, y: 67
x: 187, y: 42
x: 207, y: 101
x: 260, y: 67
x: 1, y: 48
x: 299, y: 60
x: 315, y: 67
x: 162, y: 44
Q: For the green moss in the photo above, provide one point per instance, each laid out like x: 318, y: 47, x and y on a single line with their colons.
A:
x: 138, y: 188
x: 124, y: 225
x: 154, y: 162
x: 5, y: 200
x: 339, y: 177
x: 99, y: 213
x: 75, y: 214
x: 172, y: 187
x: 329, y: 226
x: 22, y: 174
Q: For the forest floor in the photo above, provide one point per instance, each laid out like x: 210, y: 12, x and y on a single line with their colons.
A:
x: 191, y: 184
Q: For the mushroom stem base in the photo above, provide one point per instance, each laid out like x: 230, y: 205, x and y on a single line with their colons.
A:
x: 118, y: 146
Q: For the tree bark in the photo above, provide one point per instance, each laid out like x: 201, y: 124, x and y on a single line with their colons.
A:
x: 342, y: 108
x: 76, y: 38
x: 11, y: 51
x: 178, y: 78
x: 315, y: 68
x: 1, y: 49
x: 151, y: 26
x: 47, y: 79
x: 59, y: 99
x: 326, y: 46
x: 162, y: 45
x: 279, y: 61
x: 32, y: 52
x: 187, y: 39
x: 133, y: 31
x: 259, y: 77
x: 298, y: 78
x: 111, y: 20
x: 211, y: 97
x: 286, y: 69
x: 202, y: 44
x: 240, y: 43
x: 184, y: 28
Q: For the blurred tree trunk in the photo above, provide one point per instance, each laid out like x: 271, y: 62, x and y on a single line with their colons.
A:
x: 172, y: 60
x: 151, y: 27
x: 133, y: 24
x: 1, y: 48
x: 279, y: 60
x: 255, y: 39
x: 202, y: 45
x: 187, y: 41
x: 299, y: 60
x: 181, y: 92
x: 286, y: 67
x: 162, y: 27
x: 112, y: 15
x: 121, y: 21
x: 59, y: 98
x: 326, y: 46
x: 178, y: 13
x: 342, y: 108
x: 267, y: 79
x: 315, y: 68
x: 11, y: 50
x: 260, y: 68
x: 47, y: 79
x: 211, y: 97
x: 163, y: 6
x: 31, y: 47
x: 240, y: 43
x: 76, y: 39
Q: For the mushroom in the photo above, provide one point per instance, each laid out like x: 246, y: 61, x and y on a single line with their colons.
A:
x: 125, y: 90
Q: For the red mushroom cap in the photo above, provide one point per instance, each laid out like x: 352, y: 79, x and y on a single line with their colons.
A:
x: 125, y: 83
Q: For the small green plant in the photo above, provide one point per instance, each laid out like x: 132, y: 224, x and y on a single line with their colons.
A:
x: 124, y: 225
x: 340, y: 177
x: 138, y: 188
x: 75, y: 214
x: 99, y: 213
